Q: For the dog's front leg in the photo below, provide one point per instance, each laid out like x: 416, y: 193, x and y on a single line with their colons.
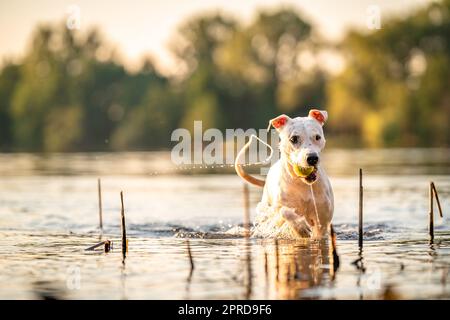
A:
x: 298, y: 223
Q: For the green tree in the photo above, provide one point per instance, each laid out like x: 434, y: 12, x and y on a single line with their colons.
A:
x: 394, y: 91
x: 70, y: 93
x: 151, y: 122
x: 9, y: 78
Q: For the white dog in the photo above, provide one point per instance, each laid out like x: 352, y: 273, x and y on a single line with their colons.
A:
x: 298, y: 199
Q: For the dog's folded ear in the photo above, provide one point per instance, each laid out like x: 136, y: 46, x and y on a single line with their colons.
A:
x: 320, y: 115
x: 279, y: 122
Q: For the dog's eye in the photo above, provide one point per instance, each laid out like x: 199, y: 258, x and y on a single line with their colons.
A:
x: 294, y: 139
x: 318, y: 137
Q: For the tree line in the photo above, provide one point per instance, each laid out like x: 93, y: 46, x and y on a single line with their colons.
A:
x: 70, y: 92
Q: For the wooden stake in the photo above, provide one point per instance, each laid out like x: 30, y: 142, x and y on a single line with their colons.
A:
x: 107, y: 245
x: 246, y: 211
x: 249, y: 284
x: 100, y: 210
x: 431, y: 214
x: 124, y: 231
x: 360, y: 227
x: 437, y: 199
x: 266, y: 266
x: 191, y: 259
x: 191, y: 272
x: 95, y: 246
x: 335, y: 255
x: 277, y: 259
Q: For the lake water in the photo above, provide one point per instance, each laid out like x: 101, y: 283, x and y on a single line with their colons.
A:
x: 49, y: 216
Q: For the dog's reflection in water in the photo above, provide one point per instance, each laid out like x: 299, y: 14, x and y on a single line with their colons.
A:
x: 293, y: 267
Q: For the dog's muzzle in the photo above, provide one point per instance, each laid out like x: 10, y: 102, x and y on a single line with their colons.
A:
x: 309, y: 174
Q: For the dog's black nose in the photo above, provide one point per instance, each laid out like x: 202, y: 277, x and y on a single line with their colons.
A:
x: 312, y: 159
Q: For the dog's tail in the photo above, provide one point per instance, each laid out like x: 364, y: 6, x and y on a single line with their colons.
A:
x: 240, y: 170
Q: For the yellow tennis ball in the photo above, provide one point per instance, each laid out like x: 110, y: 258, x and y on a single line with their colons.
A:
x: 303, y: 171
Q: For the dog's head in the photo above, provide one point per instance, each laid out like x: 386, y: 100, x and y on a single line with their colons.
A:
x: 302, y: 140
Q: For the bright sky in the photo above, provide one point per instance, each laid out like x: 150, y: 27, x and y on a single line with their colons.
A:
x: 139, y: 27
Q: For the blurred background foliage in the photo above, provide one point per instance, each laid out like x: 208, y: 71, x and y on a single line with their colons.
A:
x: 70, y: 93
